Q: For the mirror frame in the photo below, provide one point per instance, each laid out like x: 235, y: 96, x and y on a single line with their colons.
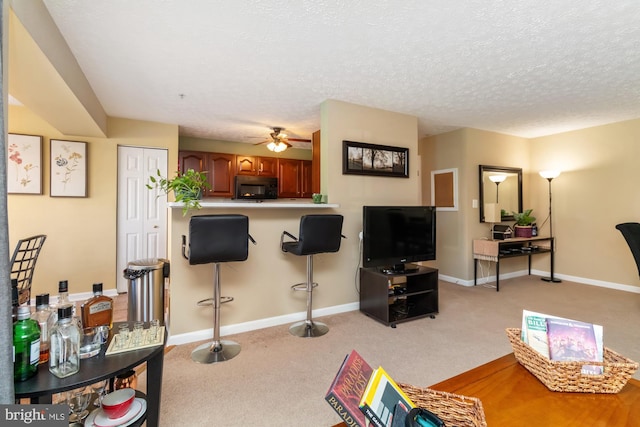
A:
x: 485, y: 168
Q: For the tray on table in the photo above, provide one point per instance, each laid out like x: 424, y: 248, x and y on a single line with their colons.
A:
x: 130, y: 345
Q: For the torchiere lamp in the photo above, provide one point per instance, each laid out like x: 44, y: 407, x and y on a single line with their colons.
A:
x: 497, y: 179
x: 549, y: 175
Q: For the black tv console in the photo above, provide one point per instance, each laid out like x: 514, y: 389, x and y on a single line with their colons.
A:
x: 391, y: 298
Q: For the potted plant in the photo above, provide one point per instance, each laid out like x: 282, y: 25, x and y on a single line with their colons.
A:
x: 187, y: 187
x: 523, y: 223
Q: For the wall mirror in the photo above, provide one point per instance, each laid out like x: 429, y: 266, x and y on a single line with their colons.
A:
x: 502, y: 186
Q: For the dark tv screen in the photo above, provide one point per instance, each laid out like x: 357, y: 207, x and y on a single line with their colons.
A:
x: 397, y: 235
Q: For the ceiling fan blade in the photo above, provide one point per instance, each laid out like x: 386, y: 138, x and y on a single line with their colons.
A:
x: 299, y: 139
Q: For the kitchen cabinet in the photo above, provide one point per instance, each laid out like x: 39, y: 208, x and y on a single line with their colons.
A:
x: 295, y: 178
x: 219, y: 167
x: 258, y: 166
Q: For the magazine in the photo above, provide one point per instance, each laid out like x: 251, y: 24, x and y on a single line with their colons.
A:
x: 574, y: 341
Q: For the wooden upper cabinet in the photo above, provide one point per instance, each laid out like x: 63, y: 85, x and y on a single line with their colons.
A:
x: 195, y: 160
x: 268, y: 166
x: 294, y: 178
x: 218, y: 166
x: 307, y: 185
x: 221, y: 174
x: 256, y: 166
x: 315, y: 172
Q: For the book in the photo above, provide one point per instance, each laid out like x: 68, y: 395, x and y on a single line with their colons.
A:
x: 380, y: 398
x: 573, y: 341
x: 347, y: 388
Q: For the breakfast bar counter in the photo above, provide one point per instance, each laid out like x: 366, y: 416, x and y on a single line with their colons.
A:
x: 260, y: 204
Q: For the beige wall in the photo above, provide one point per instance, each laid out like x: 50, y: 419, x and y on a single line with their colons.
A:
x: 596, y: 190
x: 261, y: 285
x: 81, y: 232
x: 466, y: 149
x: 214, y: 146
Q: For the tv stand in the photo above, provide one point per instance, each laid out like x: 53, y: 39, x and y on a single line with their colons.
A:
x: 392, y: 297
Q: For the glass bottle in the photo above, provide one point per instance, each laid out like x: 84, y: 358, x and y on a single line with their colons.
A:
x: 63, y: 296
x: 44, y: 316
x: 97, y: 310
x: 15, y: 299
x: 64, y: 359
x: 26, y: 345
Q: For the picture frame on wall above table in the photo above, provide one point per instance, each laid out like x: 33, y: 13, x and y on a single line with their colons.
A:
x: 68, y: 168
x: 359, y: 158
x: 24, y: 164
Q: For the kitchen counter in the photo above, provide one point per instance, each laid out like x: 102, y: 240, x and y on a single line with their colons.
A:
x: 260, y: 204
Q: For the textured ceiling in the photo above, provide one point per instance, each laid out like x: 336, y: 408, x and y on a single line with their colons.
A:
x: 231, y: 69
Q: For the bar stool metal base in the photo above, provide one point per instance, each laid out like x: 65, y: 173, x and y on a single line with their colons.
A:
x: 213, y: 353
x: 306, y: 329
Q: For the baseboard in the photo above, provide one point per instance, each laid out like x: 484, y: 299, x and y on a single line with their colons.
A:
x: 582, y: 280
x: 253, y: 325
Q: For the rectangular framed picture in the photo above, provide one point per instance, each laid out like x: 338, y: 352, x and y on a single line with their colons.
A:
x: 24, y: 164
x: 359, y: 158
x: 68, y: 168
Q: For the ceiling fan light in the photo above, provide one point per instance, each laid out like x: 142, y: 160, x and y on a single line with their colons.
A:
x: 272, y: 146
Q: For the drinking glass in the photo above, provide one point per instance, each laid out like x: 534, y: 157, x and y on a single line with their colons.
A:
x: 98, y: 388
x: 78, y: 401
x: 123, y: 335
x: 138, y: 327
x: 154, y: 325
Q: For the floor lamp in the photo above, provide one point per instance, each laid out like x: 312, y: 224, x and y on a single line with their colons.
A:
x: 497, y: 179
x: 549, y: 176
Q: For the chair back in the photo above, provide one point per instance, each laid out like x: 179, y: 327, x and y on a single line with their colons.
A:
x: 319, y: 234
x: 23, y: 263
x: 218, y: 238
x: 631, y: 233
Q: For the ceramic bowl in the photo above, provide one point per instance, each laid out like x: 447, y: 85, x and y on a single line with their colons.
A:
x: 116, y: 404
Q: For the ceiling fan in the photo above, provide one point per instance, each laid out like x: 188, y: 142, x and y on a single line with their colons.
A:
x: 279, y: 141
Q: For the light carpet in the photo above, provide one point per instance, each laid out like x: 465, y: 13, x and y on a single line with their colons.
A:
x: 281, y: 380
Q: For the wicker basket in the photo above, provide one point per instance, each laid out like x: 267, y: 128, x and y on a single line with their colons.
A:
x: 566, y: 376
x: 454, y: 410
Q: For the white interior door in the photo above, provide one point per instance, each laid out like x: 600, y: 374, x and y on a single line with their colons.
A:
x: 142, y: 215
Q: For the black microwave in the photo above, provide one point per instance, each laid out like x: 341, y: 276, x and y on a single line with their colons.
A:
x: 256, y: 187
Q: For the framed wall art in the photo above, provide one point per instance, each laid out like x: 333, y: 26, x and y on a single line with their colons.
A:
x: 24, y: 164
x: 359, y: 158
x: 68, y: 168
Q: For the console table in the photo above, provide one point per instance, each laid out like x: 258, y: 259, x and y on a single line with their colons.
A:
x: 512, y: 397
x: 44, y: 384
x: 495, y: 250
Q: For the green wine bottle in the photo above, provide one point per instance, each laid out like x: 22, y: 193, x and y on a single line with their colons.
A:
x: 26, y: 345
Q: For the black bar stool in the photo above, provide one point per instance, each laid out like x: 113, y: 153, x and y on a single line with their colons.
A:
x: 216, y: 239
x: 318, y: 234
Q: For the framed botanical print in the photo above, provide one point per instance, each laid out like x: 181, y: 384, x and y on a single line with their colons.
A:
x: 68, y: 168
x: 24, y: 164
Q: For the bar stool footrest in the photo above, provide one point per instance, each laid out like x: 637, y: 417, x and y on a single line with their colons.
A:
x: 303, y: 286
x: 209, y: 301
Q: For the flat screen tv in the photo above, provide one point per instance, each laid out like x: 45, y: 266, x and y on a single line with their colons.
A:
x: 397, y: 235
